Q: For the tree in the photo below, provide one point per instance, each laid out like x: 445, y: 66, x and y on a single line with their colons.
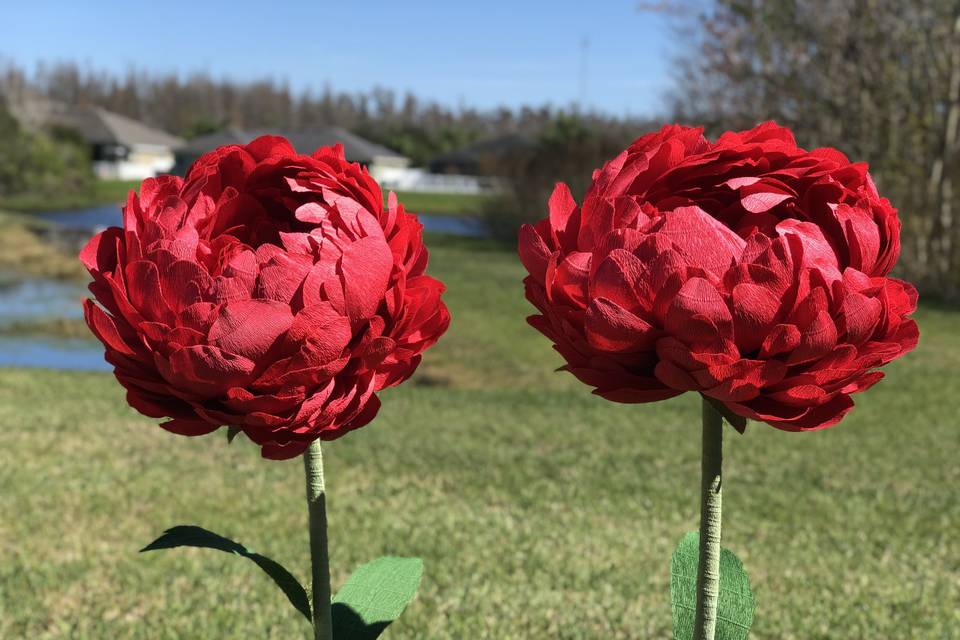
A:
x: 568, y: 149
x: 879, y: 79
x: 41, y: 162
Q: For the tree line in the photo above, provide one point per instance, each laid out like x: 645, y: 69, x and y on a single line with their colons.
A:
x: 878, y: 79
x: 196, y: 104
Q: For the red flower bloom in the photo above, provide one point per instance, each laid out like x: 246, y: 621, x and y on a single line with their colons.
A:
x: 268, y: 290
x: 748, y: 269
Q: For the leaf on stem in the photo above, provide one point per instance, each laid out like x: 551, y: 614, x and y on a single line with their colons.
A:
x: 735, y: 604
x: 374, y: 596
x: 737, y: 422
x: 232, y: 433
x: 193, y: 536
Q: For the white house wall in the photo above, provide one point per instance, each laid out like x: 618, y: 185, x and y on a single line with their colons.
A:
x: 141, y: 162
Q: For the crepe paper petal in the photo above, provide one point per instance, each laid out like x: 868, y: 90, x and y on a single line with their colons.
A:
x: 264, y: 283
x: 747, y: 269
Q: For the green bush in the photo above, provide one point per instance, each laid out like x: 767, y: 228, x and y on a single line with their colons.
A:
x: 35, y: 163
x: 567, y: 150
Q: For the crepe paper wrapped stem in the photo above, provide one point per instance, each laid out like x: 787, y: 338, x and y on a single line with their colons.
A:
x: 708, y: 569
x: 319, y: 554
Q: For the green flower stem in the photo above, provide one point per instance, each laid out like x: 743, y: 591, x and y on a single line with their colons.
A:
x: 319, y: 558
x: 708, y: 571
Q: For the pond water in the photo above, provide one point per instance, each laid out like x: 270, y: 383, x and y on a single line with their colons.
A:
x: 96, y: 218
x: 52, y: 353
x: 23, y: 301
x: 91, y: 218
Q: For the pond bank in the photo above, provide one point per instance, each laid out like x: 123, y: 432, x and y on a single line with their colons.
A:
x: 32, y: 248
x: 92, y: 219
x: 101, y: 192
x: 42, y: 283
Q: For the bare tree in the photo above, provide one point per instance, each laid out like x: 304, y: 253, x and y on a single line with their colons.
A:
x: 880, y: 79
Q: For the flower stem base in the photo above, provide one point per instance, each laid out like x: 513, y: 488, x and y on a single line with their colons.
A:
x: 708, y: 570
x: 319, y: 558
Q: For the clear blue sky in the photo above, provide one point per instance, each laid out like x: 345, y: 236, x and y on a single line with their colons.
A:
x: 481, y: 54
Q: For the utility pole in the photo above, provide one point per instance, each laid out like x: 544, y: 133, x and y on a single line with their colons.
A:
x: 582, y: 98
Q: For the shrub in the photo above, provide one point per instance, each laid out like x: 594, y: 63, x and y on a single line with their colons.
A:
x: 567, y: 150
x: 55, y: 162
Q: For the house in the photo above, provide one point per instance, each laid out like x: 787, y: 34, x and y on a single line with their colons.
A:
x: 385, y: 165
x: 120, y: 147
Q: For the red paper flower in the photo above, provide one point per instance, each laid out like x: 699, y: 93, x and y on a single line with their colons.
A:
x: 748, y: 269
x: 268, y: 290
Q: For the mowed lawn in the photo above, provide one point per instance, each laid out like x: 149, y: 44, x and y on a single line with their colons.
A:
x: 116, y: 191
x: 540, y: 510
x: 101, y: 192
x: 454, y: 204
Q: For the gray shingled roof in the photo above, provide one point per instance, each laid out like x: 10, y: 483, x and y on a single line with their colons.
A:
x: 126, y: 131
x: 95, y: 125
x: 356, y: 149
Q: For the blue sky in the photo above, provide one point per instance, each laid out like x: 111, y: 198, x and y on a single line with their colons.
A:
x: 481, y: 54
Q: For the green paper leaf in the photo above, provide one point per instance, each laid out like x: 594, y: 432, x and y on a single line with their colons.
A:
x: 232, y: 433
x: 192, y: 536
x: 374, y: 596
x: 737, y: 422
x: 735, y: 604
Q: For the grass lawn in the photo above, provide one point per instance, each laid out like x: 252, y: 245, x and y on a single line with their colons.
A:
x: 540, y: 510
x: 114, y: 191
x: 103, y: 192
x: 442, y: 203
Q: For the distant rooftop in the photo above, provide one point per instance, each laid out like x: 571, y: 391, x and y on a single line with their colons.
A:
x: 307, y: 141
x: 95, y: 125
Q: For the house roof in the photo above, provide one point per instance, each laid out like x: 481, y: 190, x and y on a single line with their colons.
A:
x: 94, y: 124
x: 127, y: 131
x: 356, y: 149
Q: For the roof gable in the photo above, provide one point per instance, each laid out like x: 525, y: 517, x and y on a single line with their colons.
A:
x: 94, y: 124
x: 307, y: 141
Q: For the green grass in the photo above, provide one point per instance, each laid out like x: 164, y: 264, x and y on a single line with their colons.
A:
x: 442, y: 203
x: 115, y: 191
x: 103, y: 192
x: 540, y: 510
x: 46, y: 327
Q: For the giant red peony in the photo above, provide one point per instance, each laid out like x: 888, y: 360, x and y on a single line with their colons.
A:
x: 747, y: 269
x: 268, y: 290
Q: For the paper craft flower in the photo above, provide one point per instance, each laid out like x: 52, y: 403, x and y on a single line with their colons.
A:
x: 747, y: 269
x: 268, y: 291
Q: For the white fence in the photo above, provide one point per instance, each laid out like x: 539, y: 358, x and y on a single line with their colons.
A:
x: 423, y: 181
